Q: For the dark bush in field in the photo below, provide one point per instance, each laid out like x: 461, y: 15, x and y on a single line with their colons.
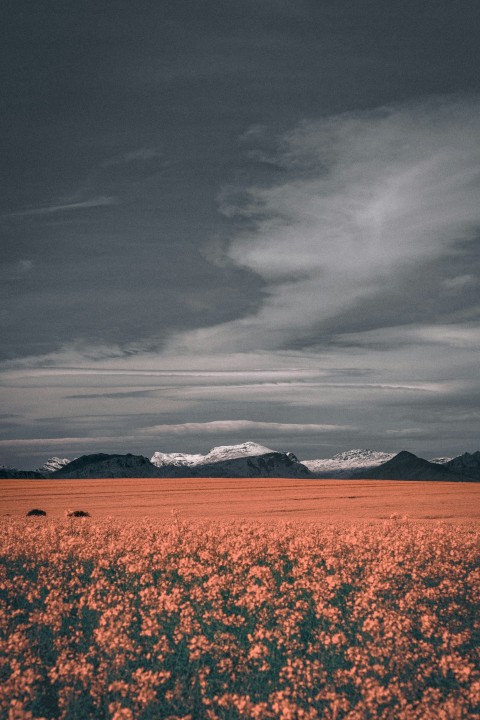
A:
x: 36, y: 512
x: 78, y: 513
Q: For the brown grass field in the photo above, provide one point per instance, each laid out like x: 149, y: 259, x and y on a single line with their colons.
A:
x: 249, y: 498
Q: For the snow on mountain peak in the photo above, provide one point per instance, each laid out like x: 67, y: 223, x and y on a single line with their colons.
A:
x: 362, y: 455
x: 342, y: 464
x: 177, y: 459
x: 229, y: 452
x: 54, y: 463
x: 216, y: 454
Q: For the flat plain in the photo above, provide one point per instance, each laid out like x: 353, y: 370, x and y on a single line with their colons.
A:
x: 248, y: 498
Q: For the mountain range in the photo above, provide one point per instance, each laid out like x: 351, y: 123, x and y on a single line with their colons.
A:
x: 407, y: 466
x: 245, y: 460
x: 250, y: 459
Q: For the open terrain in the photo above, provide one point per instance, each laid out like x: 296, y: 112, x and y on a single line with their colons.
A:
x: 251, y: 498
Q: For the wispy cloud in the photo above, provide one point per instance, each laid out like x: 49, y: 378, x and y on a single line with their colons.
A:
x: 218, y: 427
x: 373, y: 211
x: 458, y: 336
x: 16, y: 270
x: 368, y: 197
x: 64, y: 441
x: 143, y: 154
x: 460, y: 282
x: 100, y: 201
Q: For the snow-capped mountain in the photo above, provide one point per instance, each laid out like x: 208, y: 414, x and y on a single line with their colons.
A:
x: 54, y: 463
x: 441, y: 460
x: 231, y: 452
x: 265, y: 464
x: 216, y: 454
x: 345, y: 464
x: 361, y: 457
x: 270, y: 464
x: 177, y: 459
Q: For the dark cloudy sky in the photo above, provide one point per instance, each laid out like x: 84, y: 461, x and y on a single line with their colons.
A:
x: 224, y: 221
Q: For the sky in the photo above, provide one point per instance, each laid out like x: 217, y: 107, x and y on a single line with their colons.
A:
x: 226, y: 221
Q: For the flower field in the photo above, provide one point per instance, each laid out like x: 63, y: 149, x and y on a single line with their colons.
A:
x: 155, y: 620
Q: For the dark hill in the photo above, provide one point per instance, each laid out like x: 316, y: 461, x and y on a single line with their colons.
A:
x: 467, y: 465
x: 101, y: 465
x: 12, y: 474
x: 407, y: 466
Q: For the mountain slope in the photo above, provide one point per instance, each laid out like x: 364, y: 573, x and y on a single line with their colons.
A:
x: 101, y: 465
x: 347, y: 464
x: 7, y: 473
x: 467, y: 465
x: 407, y: 466
x: 271, y: 464
x: 216, y: 454
x: 53, y: 464
x: 175, y: 459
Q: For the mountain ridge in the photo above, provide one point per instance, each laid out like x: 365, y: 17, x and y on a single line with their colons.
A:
x: 271, y: 464
x: 103, y: 465
x: 250, y: 459
x: 467, y: 464
x: 407, y: 466
x: 216, y: 454
x: 345, y: 464
x: 267, y: 464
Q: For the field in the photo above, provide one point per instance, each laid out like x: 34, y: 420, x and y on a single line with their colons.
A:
x: 255, y: 498
x: 205, y: 614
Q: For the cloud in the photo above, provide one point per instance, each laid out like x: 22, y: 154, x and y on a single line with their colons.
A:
x: 315, y: 403
x: 16, y: 270
x: 143, y: 154
x: 218, y: 427
x: 363, y: 253
x: 89, y: 358
x: 459, y: 336
x: 63, y: 441
x: 368, y: 197
x: 100, y: 201
x: 460, y: 281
